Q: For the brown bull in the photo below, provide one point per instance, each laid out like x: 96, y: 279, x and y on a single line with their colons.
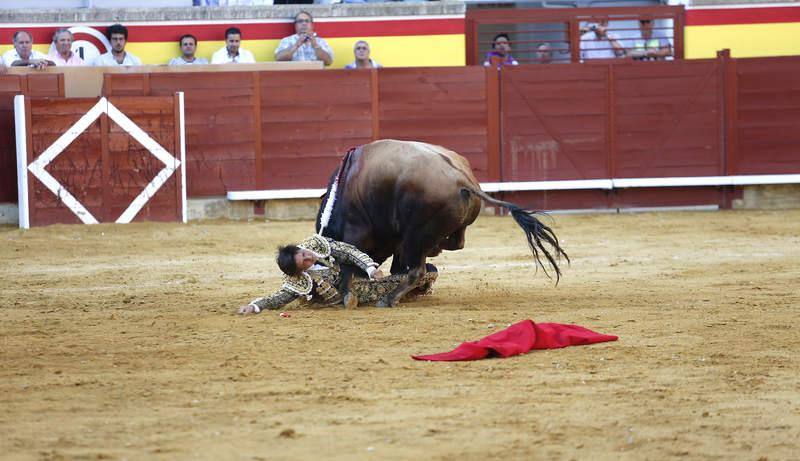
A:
x: 411, y: 200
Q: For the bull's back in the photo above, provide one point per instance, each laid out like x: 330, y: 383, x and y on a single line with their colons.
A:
x: 413, y: 161
x: 427, y: 175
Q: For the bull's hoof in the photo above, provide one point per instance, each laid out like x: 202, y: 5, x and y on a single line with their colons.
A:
x: 350, y: 301
x: 384, y: 302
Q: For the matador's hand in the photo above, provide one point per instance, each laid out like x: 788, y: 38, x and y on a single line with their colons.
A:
x: 248, y: 309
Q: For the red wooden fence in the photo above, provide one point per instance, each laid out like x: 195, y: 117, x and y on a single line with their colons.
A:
x: 764, y: 134
x: 308, y: 119
x: 613, y: 119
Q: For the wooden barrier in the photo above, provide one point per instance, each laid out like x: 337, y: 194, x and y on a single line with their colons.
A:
x: 574, y: 122
x: 88, y: 160
x: 628, y: 126
x: 273, y: 130
x: 11, y: 85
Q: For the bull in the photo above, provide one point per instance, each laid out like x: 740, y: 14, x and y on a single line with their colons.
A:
x: 411, y: 200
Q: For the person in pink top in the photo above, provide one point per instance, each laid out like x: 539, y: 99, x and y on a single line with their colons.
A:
x: 62, y: 55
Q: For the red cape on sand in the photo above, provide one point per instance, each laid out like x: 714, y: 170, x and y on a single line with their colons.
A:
x: 519, y: 339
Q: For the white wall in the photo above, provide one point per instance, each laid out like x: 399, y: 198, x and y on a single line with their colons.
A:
x: 61, y: 4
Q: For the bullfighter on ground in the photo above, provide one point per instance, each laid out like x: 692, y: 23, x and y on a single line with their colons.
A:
x: 313, y: 271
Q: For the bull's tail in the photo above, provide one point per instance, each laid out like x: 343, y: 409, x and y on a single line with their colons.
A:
x: 536, y: 232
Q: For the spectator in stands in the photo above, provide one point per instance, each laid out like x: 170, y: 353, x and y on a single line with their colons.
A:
x: 233, y: 52
x: 23, y: 53
x: 188, y: 45
x: 544, y: 54
x: 650, y: 45
x: 598, y: 43
x: 118, y: 36
x: 363, y: 61
x: 62, y: 53
x: 304, y: 45
x: 501, y: 50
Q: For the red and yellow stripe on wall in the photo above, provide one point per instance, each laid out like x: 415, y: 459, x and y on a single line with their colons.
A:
x: 395, y: 41
x: 748, y: 31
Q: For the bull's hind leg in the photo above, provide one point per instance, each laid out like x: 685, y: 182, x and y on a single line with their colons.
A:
x: 414, y: 255
x: 410, y: 283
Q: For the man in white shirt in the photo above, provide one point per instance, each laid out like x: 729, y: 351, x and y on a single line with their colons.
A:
x: 598, y: 43
x: 188, y: 49
x: 232, y: 52
x: 23, y: 53
x: 118, y: 36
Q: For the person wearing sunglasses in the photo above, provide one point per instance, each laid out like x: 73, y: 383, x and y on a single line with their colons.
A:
x: 363, y: 61
x: 304, y: 45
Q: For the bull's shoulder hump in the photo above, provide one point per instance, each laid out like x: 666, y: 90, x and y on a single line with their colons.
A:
x: 412, y: 150
x: 456, y: 160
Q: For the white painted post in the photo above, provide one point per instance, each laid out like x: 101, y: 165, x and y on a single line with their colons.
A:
x: 183, y: 158
x: 22, y: 161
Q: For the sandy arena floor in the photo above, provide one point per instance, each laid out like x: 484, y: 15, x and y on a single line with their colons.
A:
x: 121, y: 342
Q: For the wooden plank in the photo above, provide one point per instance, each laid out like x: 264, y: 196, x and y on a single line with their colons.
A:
x: 611, y: 132
x: 302, y: 95
x: 231, y: 81
x: 257, y: 129
x: 460, y: 126
x: 213, y: 179
x: 375, y: 104
x: 106, y: 164
x: 131, y: 105
x: 313, y: 130
x: 324, y: 111
x: 493, y: 107
x: 730, y: 115
x: 10, y: 84
x: 315, y: 78
x: 124, y: 85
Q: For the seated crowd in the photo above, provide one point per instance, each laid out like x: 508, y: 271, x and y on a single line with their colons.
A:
x: 596, y: 42
x: 303, y: 45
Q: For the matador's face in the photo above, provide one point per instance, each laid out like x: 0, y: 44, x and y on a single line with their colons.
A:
x: 304, y: 259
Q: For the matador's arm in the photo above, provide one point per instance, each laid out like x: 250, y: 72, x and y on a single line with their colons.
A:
x: 351, y: 255
x: 274, y: 301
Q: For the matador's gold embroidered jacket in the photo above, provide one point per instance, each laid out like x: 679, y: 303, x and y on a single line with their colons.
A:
x: 319, y: 281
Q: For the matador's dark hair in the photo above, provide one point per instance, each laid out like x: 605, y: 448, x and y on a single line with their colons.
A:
x: 285, y: 259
